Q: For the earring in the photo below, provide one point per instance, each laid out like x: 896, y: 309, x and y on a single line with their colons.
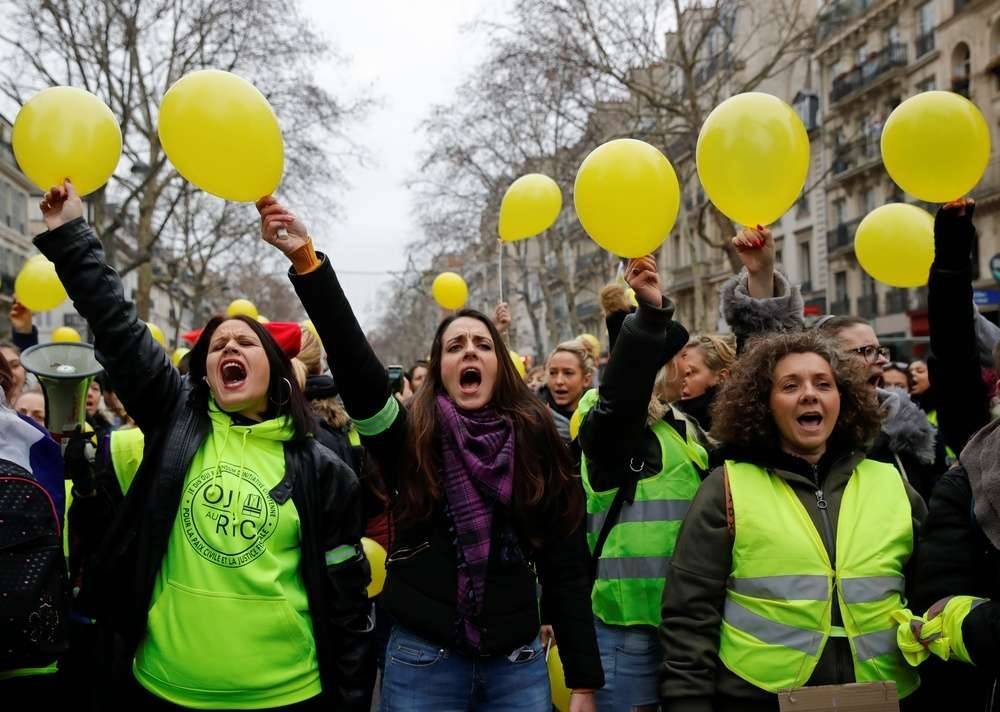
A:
x: 288, y: 385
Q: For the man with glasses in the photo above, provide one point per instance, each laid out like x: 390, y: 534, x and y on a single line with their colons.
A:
x: 760, y: 300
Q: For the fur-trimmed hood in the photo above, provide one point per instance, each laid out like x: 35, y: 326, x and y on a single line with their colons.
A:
x: 905, y: 425
x: 748, y: 316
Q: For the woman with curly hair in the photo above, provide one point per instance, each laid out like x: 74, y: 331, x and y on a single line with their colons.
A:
x: 793, y: 555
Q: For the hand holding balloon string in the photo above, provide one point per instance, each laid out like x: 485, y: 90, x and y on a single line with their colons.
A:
x: 756, y: 249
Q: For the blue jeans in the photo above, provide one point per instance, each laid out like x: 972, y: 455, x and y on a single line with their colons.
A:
x: 630, y: 656
x: 421, y: 676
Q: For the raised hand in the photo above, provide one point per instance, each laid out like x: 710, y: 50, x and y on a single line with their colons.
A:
x: 642, y: 277
x: 501, y: 317
x: 756, y: 250
x: 273, y: 217
x: 61, y: 205
x: 20, y: 317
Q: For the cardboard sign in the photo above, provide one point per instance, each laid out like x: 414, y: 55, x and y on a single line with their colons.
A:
x: 857, y: 697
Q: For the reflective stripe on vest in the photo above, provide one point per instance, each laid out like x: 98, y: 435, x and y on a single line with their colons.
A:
x: 777, y: 616
x: 634, y: 560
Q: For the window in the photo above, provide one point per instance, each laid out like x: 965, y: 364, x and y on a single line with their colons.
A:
x: 867, y: 202
x: 892, y: 35
x: 867, y: 285
x: 928, y: 84
x: 861, y: 54
x: 839, y: 211
x: 805, y: 264
x: 925, y: 18
x: 961, y: 69
x: 840, y: 286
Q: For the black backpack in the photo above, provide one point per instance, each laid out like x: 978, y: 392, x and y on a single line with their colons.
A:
x: 34, y: 584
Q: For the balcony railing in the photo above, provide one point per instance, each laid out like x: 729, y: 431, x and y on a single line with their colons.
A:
x: 924, y: 44
x: 861, y: 75
x: 856, y: 154
x: 841, y: 307
x: 842, y: 236
x: 897, y: 301
x: 868, y: 306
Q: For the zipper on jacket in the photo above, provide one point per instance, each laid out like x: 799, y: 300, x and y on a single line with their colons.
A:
x: 824, y: 513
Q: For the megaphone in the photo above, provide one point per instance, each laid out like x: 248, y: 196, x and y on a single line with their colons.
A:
x: 65, y: 371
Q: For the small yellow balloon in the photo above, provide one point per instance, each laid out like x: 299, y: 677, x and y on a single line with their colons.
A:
x: 630, y: 297
x: 557, y: 681
x: 37, y: 285
x: 65, y: 132
x: 530, y: 206
x: 263, y: 319
x: 307, y: 324
x: 895, y: 245
x: 936, y: 145
x: 574, y: 424
x: 66, y: 335
x: 222, y: 135
x: 242, y: 307
x: 376, y: 561
x: 627, y: 196
x: 157, y: 333
x: 178, y: 355
x: 518, y: 363
x: 450, y: 290
x: 593, y: 344
x: 753, y: 158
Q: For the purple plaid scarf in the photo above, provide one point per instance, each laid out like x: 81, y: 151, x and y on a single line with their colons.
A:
x: 477, y: 449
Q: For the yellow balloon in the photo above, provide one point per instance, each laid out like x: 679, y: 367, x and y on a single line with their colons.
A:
x: 157, y: 333
x: 895, y: 245
x: 450, y: 290
x: 242, y: 307
x: 530, y: 206
x: 936, y: 145
x: 37, y: 285
x: 630, y: 297
x: 593, y: 343
x: 376, y: 560
x: 627, y: 196
x: 574, y: 424
x: 518, y: 363
x: 263, y: 319
x: 65, y: 132
x: 307, y: 324
x: 753, y: 158
x: 221, y: 134
x: 178, y: 355
x: 66, y: 335
x: 557, y: 681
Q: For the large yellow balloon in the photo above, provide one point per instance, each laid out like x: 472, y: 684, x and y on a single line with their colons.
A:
x: 936, y: 145
x: 895, y: 245
x: 530, y: 206
x: 37, y: 285
x: 557, y: 681
x: 157, y: 333
x: 626, y: 196
x: 65, y: 132
x: 221, y: 134
x: 376, y: 561
x: 178, y: 355
x: 66, y: 335
x: 242, y: 307
x: 753, y: 158
x: 450, y: 290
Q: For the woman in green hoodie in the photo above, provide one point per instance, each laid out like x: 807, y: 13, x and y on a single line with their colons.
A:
x: 233, y: 577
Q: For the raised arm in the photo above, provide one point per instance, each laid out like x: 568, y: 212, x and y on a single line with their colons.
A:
x: 148, y: 385
x: 360, y: 376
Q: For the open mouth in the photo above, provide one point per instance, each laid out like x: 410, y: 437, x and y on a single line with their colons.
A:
x: 875, y: 380
x: 234, y: 373
x: 469, y: 379
x: 811, y: 420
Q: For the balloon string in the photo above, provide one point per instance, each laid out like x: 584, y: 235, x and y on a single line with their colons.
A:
x: 500, y: 267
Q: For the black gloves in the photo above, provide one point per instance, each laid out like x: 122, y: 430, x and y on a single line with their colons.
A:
x: 954, y: 236
x: 79, y: 463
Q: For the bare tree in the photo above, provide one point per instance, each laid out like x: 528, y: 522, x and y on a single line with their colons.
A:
x: 129, y: 52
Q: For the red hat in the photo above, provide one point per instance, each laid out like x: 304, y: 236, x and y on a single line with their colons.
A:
x: 288, y: 335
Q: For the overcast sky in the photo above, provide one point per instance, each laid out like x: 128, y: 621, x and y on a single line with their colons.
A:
x: 412, y: 55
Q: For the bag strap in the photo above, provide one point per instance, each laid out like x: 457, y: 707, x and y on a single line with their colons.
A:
x: 625, y: 493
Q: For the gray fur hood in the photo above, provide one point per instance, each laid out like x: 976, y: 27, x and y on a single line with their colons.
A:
x: 906, y: 426
x: 748, y: 316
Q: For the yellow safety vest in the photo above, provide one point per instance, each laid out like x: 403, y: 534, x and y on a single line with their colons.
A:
x: 779, y: 601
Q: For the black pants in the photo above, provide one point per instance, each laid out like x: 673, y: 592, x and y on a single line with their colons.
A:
x: 33, y: 693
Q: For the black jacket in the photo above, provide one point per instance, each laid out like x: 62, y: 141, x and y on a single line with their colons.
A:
x: 421, y: 578
x: 323, y: 489
x: 956, y: 558
x: 614, y: 434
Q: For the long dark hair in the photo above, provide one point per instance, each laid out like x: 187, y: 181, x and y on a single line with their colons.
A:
x: 545, y: 491
x: 284, y: 397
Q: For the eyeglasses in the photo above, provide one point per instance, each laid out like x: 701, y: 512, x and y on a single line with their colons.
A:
x: 870, y: 353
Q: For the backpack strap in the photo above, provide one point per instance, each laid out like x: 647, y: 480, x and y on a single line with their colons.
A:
x: 625, y: 493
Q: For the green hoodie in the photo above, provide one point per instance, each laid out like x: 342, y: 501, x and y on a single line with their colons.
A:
x: 229, y: 626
